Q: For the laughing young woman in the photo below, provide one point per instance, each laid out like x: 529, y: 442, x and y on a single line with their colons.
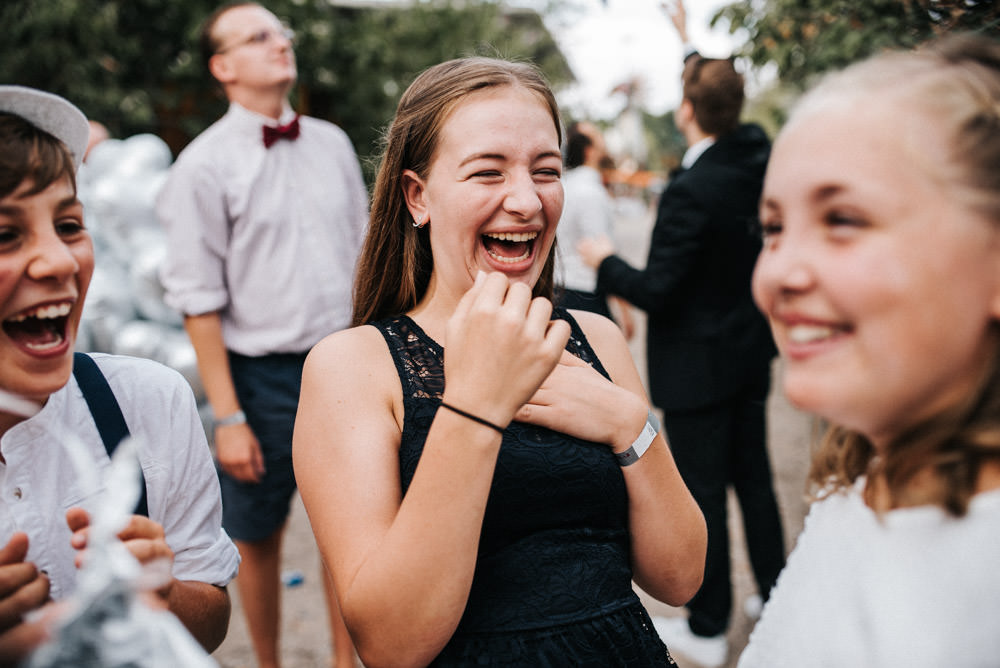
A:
x: 475, y: 464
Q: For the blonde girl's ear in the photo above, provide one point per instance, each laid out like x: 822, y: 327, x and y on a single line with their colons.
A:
x: 415, y: 193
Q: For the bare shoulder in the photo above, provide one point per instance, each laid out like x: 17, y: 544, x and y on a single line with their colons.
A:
x: 604, y: 335
x: 594, y: 324
x: 356, y: 346
x: 608, y: 342
x: 352, y: 368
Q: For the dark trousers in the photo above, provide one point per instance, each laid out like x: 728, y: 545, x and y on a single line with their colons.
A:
x: 714, y: 447
x: 268, y: 391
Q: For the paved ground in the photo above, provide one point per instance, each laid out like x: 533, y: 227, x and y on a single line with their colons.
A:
x: 304, y: 627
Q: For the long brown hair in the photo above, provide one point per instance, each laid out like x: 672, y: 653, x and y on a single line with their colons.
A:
x: 957, y: 81
x: 395, y: 265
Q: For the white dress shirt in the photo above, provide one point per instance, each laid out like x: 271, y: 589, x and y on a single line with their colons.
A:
x: 588, y: 212
x: 38, y: 483
x: 268, y: 237
x: 695, y: 150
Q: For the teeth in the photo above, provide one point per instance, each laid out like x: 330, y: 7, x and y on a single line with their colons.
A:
x: 512, y: 236
x: 44, y: 313
x: 809, y: 333
x: 45, y: 346
x: 509, y: 260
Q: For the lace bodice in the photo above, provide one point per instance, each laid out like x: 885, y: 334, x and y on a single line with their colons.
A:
x: 554, y: 548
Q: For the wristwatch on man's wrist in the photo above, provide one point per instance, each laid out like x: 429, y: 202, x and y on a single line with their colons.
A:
x: 239, y: 417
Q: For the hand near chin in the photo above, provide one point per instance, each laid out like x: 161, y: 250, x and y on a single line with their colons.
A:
x: 143, y: 537
x: 500, y: 347
x: 576, y: 399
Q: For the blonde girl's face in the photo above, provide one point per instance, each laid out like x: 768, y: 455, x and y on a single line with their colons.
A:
x: 881, y: 286
x: 493, y: 194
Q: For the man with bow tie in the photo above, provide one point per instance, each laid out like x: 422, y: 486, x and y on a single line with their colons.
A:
x: 265, y: 213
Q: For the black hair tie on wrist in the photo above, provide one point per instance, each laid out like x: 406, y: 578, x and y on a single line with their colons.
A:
x: 474, y: 418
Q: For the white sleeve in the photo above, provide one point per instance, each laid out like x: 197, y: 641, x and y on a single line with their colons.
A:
x: 181, y: 481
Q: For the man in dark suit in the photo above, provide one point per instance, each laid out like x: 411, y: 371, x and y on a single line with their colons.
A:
x: 709, y: 349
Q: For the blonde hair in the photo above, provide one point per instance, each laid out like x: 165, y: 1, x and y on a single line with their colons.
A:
x: 395, y: 265
x: 956, y: 81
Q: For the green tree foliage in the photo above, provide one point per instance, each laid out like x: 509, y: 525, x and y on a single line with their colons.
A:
x: 135, y: 65
x: 803, y: 38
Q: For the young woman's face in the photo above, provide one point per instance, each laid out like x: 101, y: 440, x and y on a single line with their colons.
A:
x: 46, y: 262
x: 881, y: 286
x: 493, y: 194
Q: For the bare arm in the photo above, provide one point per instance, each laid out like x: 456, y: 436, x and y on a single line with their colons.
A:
x: 402, y: 567
x: 678, y: 16
x: 236, y: 447
x: 666, y: 526
x: 621, y: 310
x: 203, y: 608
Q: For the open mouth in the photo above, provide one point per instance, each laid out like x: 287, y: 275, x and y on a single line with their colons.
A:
x: 41, y: 328
x: 509, y: 247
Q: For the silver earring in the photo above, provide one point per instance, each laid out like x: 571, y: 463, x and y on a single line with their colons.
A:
x: 419, y: 222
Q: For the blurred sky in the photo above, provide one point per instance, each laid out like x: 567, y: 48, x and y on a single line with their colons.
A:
x: 607, y: 43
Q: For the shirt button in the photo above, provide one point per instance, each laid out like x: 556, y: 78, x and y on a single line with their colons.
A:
x: 17, y: 493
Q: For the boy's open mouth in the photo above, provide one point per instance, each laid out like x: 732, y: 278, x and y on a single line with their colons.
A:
x: 509, y: 247
x: 41, y: 328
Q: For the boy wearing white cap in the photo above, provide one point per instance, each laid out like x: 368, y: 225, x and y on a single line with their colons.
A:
x: 48, y: 392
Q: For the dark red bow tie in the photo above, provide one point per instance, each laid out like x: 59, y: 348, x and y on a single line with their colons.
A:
x: 289, y: 131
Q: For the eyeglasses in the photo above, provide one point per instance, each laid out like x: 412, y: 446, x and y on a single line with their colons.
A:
x: 262, y: 37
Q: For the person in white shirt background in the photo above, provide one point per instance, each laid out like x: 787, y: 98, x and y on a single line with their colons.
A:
x: 264, y: 214
x: 588, y: 212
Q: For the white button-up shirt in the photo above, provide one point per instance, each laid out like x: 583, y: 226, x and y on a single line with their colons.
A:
x: 38, y: 483
x: 268, y: 237
x: 588, y: 212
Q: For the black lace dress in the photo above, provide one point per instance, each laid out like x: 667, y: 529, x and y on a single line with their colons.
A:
x: 552, y: 585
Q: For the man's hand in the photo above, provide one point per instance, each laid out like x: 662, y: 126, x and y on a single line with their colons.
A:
x: 238, y: 452
x: 594, y: 251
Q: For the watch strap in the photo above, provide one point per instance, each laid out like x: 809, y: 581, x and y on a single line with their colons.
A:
x: 239, y: 417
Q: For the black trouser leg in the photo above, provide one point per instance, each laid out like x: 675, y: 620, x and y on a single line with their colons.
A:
x: 700, y: 442
x: 753, y: 483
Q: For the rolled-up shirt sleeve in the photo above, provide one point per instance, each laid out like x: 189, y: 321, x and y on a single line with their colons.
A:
x: 181, y: 480
x: 194, y: 216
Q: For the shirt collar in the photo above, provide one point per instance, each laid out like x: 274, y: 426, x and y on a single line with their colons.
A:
x: 695, y: 150
x: 258, y: 120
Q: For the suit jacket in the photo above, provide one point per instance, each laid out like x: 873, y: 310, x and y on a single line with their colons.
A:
x: 706, y: 340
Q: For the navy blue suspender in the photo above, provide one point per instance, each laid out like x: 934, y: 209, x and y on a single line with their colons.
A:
x: 105, y: 410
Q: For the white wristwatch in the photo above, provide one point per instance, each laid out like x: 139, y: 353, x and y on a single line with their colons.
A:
x: 239, y: 417
x: 641, y: 443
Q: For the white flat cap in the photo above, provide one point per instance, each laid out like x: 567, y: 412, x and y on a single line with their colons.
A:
x: 51, y: 113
